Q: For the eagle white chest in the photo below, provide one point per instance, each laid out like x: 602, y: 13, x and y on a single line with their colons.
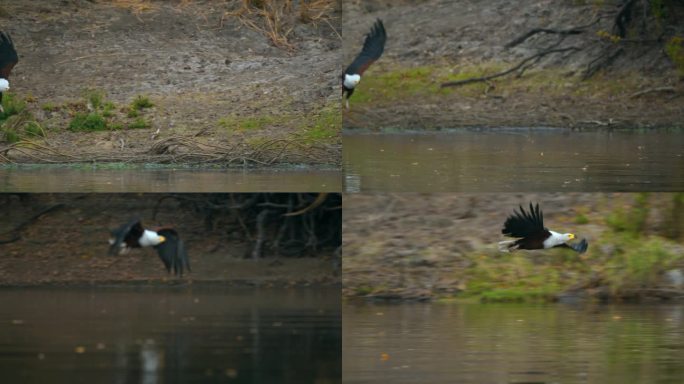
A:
x: 554, y: 240
x: 350, y: 81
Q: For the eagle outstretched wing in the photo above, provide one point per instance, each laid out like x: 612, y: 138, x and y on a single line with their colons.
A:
x: 8, y: 55
x: 373, y: 47
x: 525, y: 224
x: 172, y: 252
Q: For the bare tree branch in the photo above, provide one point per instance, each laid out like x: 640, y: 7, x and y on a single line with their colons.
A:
x: 520, y: 65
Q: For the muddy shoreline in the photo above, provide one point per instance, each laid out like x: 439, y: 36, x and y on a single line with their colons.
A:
x: 433, y: 42
x: 215, y: 90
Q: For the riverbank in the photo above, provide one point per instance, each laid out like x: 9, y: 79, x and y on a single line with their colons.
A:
x: 62, y: 240
x: 172, y: 82
x: 444, y: 247
x: 436, y: 42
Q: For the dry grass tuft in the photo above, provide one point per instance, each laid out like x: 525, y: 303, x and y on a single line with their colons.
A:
x: 276, y: 18
x: 315, y: 10
x: 137, y: 7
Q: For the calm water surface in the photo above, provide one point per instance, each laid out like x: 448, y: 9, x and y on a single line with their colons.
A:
x: 521, y: 160
x: 495, y: 343
x: 166, y: 335
x: 64, y: 179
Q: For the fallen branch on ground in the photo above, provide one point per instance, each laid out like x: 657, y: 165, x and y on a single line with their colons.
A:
x: 569, y: 31
x: 667, y: 89
x: 523, y: 65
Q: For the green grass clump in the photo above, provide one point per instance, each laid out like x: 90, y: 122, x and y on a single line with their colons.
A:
x: 396, y: 84
x: 139, y: 123
x: 12, y: 105
x: 17, y: 121
x: 11, y: 136
x: 674, y: 49
x: 88, y: 122
x: 94, y: 97
x: 323, y: 125
x: 518, y: 295
x: 632, y: 221
x: 32, y: 128
x: 581, y: 219
x: 108, y: 109
x: 364, y: 290
x: 49, y: 107
x: 513, y: 277
x: 636, y: 263
x: 141, y: 102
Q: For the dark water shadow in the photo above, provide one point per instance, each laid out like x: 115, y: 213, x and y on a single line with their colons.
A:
x: 167, y: 335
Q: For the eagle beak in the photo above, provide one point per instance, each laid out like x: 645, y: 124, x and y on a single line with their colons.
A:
x: 572, y: 236
x: 162, y: 239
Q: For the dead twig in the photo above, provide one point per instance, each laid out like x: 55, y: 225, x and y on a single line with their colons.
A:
x: 666, y: 89
x: 569, y: 31
x: 87, y: 57
x: 523, y: 64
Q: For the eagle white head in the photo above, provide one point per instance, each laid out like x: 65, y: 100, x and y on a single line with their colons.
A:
x: 557, y: 239
x: 150, y: 239
x: 350, y: 81
x: 4, y: 85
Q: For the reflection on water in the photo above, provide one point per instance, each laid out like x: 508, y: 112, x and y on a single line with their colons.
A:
x: 64, y: 179
x: 504, y: 160
x: 164, y: 336
x: 508, y: 343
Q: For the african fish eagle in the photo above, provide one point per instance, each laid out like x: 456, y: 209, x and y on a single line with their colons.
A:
x: 169, y: 246
x: 373, y: 47
x: 529, y: 228
x: 8, y: 59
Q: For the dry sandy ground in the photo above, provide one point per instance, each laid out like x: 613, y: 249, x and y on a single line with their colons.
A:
x: 454, y: 38
x: 197, y: 65
x: 419, y: 246
x: 69, y: 246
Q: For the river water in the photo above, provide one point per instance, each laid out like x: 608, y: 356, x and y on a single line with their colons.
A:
x: 67, y: 179
x: 514, y: 160
x: 170, y: 335
x: 513, y: 343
